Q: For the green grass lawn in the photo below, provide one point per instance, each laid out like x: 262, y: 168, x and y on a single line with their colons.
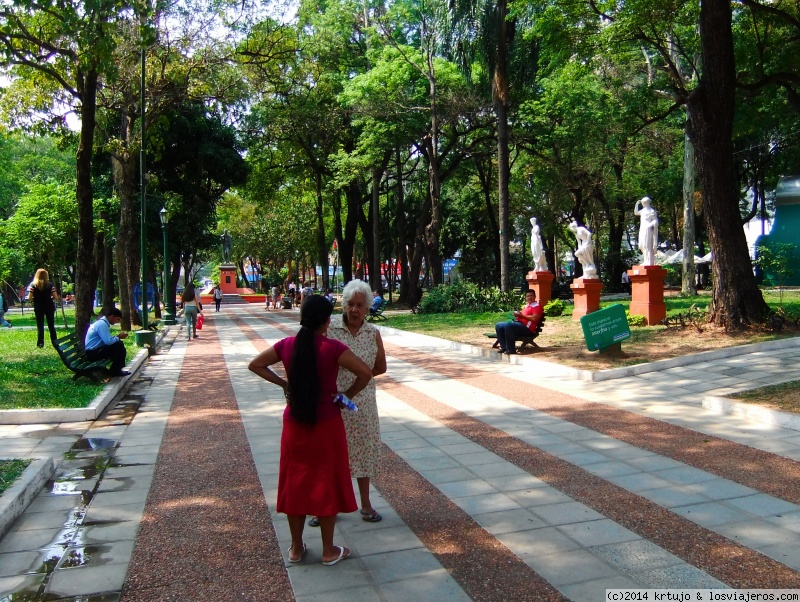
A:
x: 28, y: 319
x: 36, y: 378
x: 460, y: 327
x: 10, y: 470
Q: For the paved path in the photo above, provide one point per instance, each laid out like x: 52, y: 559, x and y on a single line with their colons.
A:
x: 500, y: 481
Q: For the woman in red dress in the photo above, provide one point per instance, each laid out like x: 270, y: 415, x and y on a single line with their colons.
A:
x: 314, y: 476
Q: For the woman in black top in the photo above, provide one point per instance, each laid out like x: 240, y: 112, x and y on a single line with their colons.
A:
x: 43, y: 293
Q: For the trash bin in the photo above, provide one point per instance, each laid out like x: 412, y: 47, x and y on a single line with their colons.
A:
x: 286, y: 303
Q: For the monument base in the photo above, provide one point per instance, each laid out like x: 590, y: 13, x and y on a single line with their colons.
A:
x: 647, y: 293
x: 587, y: 296
x: 227, y: 279
x: 542, y: 283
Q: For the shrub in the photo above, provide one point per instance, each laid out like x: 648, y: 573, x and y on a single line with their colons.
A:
x: 554, y: 308
x: 635, y: 319
x: 465, y: 297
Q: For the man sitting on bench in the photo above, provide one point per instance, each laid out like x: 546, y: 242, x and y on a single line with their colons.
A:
x: 100, y: 345
x: 377, y: 299
x: 524, y: 324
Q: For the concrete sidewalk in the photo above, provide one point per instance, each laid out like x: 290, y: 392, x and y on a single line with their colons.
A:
x: 77, y: 536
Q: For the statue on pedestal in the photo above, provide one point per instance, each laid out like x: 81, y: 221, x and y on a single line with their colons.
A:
x: 585, y: 251
x: 648, y: 230
x: 537, y: 248
x: 227, y: 246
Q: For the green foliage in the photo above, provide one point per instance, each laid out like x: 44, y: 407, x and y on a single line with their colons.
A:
x: 777, y: 261
x: 465, y: 297
x: 635, y: 319
x: 10, y: 470
x: 673, y: 277
x: 554, y: 308
x: 45, y: 225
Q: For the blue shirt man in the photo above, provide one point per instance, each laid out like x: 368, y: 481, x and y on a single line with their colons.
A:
x: 99, y: 344
x: 376, y: 301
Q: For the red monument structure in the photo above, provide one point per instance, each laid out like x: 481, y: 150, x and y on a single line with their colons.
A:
x: 542, y: 283
x: 586, y: 296
x: 647, y: 293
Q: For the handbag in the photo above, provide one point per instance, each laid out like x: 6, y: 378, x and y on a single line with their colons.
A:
x: 200, y: 320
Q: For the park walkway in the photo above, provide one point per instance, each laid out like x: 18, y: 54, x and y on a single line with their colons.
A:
x: 500, y: 481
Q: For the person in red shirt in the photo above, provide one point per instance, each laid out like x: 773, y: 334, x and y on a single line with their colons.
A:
x: 524, y: 324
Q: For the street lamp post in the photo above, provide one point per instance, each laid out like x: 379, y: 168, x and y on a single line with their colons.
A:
x: 144, y: 337
x: 169, y: 299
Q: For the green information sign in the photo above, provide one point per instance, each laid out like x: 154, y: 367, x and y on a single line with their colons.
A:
x: 605, y: 327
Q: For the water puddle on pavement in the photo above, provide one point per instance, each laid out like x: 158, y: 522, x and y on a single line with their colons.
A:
x: 79, y: 475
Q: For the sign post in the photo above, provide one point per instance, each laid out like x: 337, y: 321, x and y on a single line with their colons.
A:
x: 605, y: 328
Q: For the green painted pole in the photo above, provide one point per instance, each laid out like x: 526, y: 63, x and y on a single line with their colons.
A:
x: 142, y: 184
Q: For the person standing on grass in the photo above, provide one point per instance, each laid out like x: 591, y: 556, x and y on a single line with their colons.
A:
x: 100, y: 345
x: 3, y: 310
x: 43, y: 295
x: 314, y: 475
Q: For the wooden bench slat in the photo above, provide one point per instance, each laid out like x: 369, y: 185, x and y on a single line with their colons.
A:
x: 73, y: 357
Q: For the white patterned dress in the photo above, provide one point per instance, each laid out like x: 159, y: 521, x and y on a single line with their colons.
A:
x: 363, y: 427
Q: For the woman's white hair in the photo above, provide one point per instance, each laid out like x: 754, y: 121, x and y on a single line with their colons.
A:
x: 353, y: 288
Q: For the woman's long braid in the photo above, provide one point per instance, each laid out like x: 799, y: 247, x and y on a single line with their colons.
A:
x: 304, y: 385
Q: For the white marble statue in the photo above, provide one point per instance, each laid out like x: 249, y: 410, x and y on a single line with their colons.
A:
x: 537, y: 248
x: 648, y: 230
x: 585, y: 251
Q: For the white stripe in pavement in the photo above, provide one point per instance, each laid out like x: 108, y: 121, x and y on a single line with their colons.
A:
x: 740, y: 513
x: 575, y: 548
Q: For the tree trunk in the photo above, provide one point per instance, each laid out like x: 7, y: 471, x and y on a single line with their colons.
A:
x: 322, y: 248
x: 108, y: 277
x: 400, y: 226
x: 501, y: 102
x: 736, y: 300
x: 688, y: 286
x: 375, y: 271
x: 85, y: 269
x: 434, y: 227
x: 348, y: 242
x: 128, y: 234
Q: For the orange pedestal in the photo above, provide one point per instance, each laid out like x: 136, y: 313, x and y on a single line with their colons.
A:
x: 542, y: 283
x: 227, y: 279
x: 647, y: 293
x: 587, y: 296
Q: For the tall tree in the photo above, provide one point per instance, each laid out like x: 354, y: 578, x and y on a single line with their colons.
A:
x: 60, y: 51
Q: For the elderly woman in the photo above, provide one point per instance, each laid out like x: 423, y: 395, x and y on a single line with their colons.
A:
x: 362, y: 427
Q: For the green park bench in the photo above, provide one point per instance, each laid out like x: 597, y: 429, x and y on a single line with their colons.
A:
x: 525, y: 341
x: 73, y: 357
x: 376, y: 315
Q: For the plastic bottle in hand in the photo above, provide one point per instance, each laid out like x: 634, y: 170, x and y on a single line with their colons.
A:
x: 346, y: 402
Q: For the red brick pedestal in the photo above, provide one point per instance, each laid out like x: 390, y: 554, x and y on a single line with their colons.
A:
x: 542, y: 283
x: 587, y: 296
x: 647, y: 292
x: 227, y: 279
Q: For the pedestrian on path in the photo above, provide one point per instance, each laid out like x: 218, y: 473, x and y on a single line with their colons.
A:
x: 363, y: 427
x: 217, y: 296
x: 191, y: 309
x: 43, y: 295
x: 314, y: 476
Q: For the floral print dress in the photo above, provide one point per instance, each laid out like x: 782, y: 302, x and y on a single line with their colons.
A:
x: 363, y: 427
